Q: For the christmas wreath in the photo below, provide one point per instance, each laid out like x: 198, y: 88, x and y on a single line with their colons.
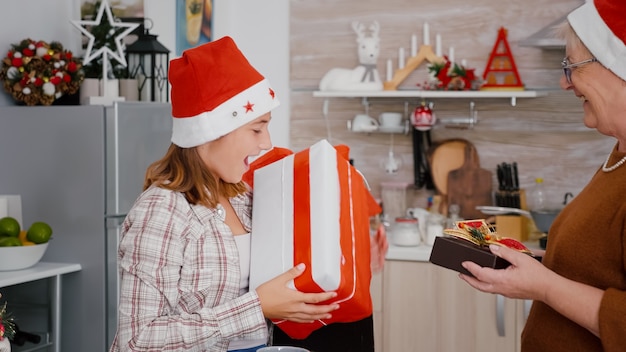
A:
x: 37, y: 73
x: 452, y: 76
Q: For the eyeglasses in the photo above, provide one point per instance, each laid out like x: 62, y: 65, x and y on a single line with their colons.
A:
x: 567, y: 67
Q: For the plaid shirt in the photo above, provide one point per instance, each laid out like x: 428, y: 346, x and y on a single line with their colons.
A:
x: 179, y: 277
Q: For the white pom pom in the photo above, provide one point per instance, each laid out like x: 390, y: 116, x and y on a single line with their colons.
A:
x: 41, y: 51
x: 56, y: 65
x: 17, y: 55
x: 26, y: 91
x: 13, y: 72
x: 59, y: 74
x: 31, y: 46
x: 48, y: 88
x: 33, y: 79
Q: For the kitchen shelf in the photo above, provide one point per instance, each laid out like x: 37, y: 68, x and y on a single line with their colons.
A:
x: 40, y: 271
x: 469, y: 94
x: 31, y: 347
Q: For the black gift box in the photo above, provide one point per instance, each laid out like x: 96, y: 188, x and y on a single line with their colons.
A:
x: 450, y: 252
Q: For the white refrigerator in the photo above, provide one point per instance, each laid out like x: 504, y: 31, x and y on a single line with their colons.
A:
x: 80, y: 168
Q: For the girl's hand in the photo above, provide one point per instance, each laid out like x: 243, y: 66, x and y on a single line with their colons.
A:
x: 378, y: 249
x: 278, y: 301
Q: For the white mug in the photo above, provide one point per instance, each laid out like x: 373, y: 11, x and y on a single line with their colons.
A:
x: 364, y: 123
x: 390, y: 119
x: 421, y: 215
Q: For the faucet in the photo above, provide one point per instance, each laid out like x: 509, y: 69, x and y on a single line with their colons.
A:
x: 567, y: 195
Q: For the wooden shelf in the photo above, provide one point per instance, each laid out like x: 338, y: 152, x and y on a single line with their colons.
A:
x: 430, y: 94
x: 433, y: 94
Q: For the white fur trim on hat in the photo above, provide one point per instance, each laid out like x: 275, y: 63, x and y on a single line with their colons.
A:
x: 598, y: 37
x: 237, y: 111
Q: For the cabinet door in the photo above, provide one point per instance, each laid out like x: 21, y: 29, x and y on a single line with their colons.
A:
x: 376, y: 290
x: 409, y: 307
x: 428, y: 308
x: 470, y: 320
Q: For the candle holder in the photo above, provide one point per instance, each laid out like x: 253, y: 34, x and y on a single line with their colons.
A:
x: 425, y: 53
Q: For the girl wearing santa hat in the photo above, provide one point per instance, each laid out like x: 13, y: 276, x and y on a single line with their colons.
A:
x: 184, y: 249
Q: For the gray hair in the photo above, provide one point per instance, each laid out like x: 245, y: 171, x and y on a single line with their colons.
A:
x: 565, y: 31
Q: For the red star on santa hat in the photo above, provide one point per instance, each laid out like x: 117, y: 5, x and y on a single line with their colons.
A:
x: 248, y: 107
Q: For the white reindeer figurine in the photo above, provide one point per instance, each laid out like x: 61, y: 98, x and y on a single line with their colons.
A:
x: 365, y: 76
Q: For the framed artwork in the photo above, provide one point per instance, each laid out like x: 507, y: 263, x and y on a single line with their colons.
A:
x: 193, y: 23
x: 119, y: 8
x: 124, y: 10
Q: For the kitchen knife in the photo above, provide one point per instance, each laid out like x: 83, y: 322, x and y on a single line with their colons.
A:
x: 515, y: 177
x: 516, y: 197
x: 500, y: 173
x: 500, y: 198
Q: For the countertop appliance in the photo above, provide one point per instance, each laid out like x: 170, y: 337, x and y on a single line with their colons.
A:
x: 80, y: 168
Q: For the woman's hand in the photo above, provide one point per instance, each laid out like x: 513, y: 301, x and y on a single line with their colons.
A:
x: 378, y: 249
x: 278, y: 301
x: 525, y: 278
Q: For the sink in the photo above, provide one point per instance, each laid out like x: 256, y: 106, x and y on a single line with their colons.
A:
x: 543, y: 218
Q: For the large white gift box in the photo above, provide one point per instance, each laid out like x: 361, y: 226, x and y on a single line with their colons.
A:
x: 312, y: 207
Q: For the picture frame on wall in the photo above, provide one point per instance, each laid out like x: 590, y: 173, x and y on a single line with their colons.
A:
x: 119, y: 8
x: 124, y: 10
x: 193, y: 23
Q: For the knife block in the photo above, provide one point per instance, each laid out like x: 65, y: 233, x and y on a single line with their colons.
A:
x: 514, y: 226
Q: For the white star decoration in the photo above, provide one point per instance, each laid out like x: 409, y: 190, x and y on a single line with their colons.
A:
x: 104, y: 50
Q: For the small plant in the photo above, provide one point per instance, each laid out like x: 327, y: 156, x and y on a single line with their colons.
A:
x: 7, y: 323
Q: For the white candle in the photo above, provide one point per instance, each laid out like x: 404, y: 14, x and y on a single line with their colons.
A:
x: 426, y: 34
x: 413, y: 45
x: 401, y: 58
x: 146, y: 91
x: 389, y: 69
x: 438, y: 45
x: 451, y: 54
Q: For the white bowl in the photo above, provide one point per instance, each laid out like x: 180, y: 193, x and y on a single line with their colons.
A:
x: 282, y: 349
x: 21, y: 257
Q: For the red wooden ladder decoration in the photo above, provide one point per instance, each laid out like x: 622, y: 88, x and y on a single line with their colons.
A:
x: 501, y: 72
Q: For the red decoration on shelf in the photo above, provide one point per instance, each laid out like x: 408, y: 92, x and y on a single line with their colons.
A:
x: 501, y: 72
x: 423, y: 118
x: 451, y: 76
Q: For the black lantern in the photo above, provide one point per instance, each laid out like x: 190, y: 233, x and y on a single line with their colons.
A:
x: 148, y: 62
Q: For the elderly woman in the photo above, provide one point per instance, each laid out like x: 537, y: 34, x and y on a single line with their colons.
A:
x: 579, y: 290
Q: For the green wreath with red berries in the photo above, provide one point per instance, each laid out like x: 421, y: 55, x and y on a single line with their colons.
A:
x: 38, y: 73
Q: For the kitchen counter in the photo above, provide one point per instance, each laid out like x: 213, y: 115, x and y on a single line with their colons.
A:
x: 421, y: 253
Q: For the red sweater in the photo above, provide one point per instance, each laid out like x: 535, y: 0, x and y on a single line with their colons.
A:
x: 587, y: 243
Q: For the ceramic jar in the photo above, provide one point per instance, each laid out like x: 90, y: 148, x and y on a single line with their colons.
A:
x: 405, y: 232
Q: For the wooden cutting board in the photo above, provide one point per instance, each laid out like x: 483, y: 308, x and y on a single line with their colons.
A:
x: 470, y: 186
x: 443, y: 157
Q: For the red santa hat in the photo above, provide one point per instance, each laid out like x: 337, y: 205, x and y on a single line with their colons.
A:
x: 600, y: 25
x: 215, y: 90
